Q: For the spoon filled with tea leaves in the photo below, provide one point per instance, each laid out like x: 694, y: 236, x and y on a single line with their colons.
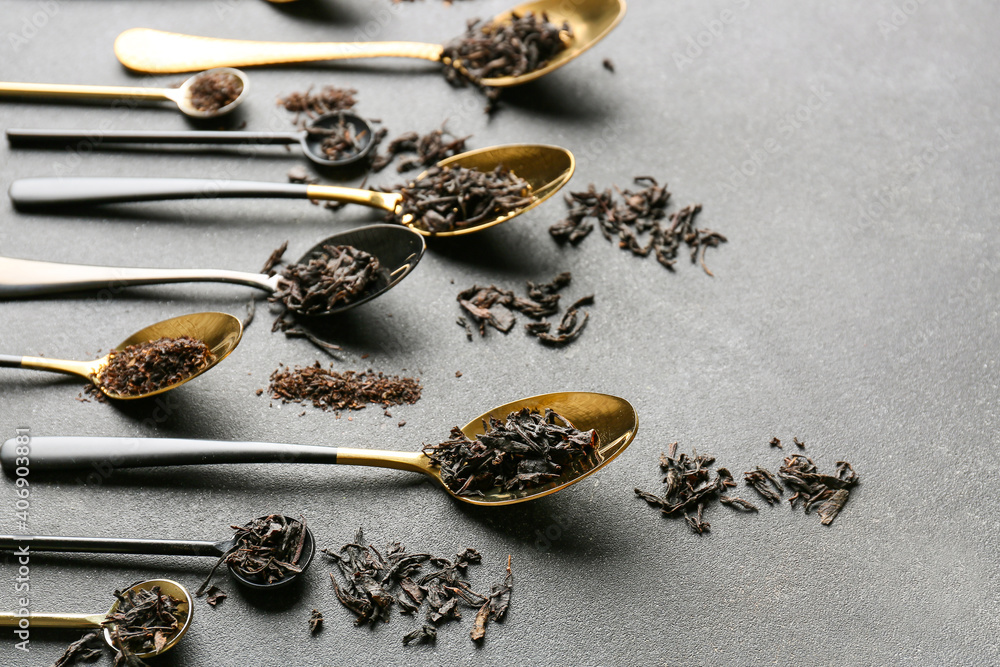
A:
x: 515, y: 47
x: 512, y: 453
x: 461, y: 194
x: 331, y: 140
x: 146, y: 620
x: 161, y: 357
x: 209, y: 94
x: 266, y: 553
x: 337, y: 274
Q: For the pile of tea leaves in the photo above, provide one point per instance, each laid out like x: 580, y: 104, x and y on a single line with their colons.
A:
x: 635, y: 224
x: 525, y: 450
x: 266, y: 549
x: 373, y: 581
x: 494, y: 306
x: 522, y: 44
x: 447, y: 199
x: 690, y: 486
x: 144, y: 621
x: 328, y: 99
x: 331, y: 390
x: 336, y: 276
x: 213, y: 90
x: 422, y: 151
x: 147, y: 367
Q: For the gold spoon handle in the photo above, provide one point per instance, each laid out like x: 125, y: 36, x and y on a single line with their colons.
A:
x: 68, y: 91
x: 73, y: 453
x: 9, y: 619
x: 156, y: 51
x: 84, y: 369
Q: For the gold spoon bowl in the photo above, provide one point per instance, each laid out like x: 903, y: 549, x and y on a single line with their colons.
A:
x: 146, y: 50
x: 221, y: 332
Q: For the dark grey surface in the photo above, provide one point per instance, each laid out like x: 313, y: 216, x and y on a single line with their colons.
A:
x: 855, y: 307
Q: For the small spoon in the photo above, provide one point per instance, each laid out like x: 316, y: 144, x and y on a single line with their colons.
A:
x: 148, y: 50
x: 97, y: 545
x: 221, y: 332
x: 180, y: 96
x: 613, y: 418
x: 93, y: 621
x: 398, y: 250
x: 310, y: 139
x: 545, y: 168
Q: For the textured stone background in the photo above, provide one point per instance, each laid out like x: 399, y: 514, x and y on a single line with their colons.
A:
x: 848, y: 151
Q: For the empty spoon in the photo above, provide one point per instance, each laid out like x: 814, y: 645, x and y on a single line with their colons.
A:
x: 221, y: 332
x: 397, y: 248
x: 545, y: 168
x: 148, y: 50
x: 613, y: 418
x: 311, y: 139
x: 180, y: 96
x: 218, y: 549
x: 95, y: 621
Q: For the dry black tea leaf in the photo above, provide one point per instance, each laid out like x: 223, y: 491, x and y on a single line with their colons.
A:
x: 86, y: 649
x: 330, y: 390
x: 522, y: 44
x: 334, y: 277
x: 775, y: 443
x: 422, y: 151
x: 635, y: 223
x: 813, y: 488
x: 266, y: 549
x: 147, y: 367
x: 328, y: 100
x: 315, y: 621
x: 373, y: 581
x: 448, y: 199
x: 214, y: 595
x: 144, y: 621
x: 764, y: 483
x: 525, y: 450
x: 214, y: 90
x: 690, y: 486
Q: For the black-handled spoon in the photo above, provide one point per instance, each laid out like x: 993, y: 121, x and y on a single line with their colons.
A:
x: 62, y: 544
x: 311, y: 138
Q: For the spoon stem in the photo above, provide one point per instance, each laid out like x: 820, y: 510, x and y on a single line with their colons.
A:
x: 25, y: 277
x: 69, y: 621
x: 60, y: 544
x: 148, y: 50
x: 20, y: 137
x: 84, y: 369
x: 70, y: 91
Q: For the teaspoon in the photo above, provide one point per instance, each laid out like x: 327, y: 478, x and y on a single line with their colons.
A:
x: 397, y: 248
x: 613, y: 418
x: 311, y: 139
x: 221, y: 332
x: 148, y: 50
x: 98, y: 545
x: 545, y: 168
x: 181, y: 96
x: 96, y: 621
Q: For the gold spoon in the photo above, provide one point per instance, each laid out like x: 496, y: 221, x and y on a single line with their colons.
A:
x: 545, y: 168
x: 148, y: 50
x: 180, y: 96
x: 221, y: 332
x: 613, y: 418
x: 94, y: 621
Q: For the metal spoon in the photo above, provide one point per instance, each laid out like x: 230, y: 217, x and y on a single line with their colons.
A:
x: 613, y: 418
x: 180, y: 96
x: 221, y: 332
x: 311, y: 138
x: 545, y: 168
x: 94, y: 621
x: 97, y: 545
x: 148, y: 50
x: 397, y: 248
